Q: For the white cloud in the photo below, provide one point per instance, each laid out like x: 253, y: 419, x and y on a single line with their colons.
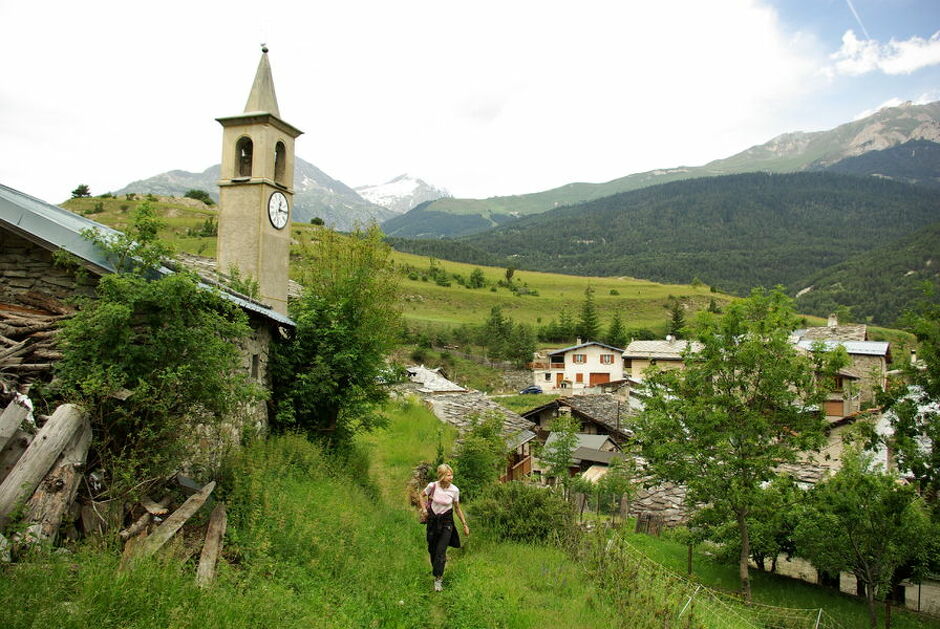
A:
x: 861, y: 56
x: 923, y: 99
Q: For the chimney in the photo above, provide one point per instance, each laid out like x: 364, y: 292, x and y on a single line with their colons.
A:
x: 579, y: 341
x: 833, y: 320
x: 913, y: 357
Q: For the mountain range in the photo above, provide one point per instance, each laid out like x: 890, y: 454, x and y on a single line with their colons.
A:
x: 316, y: 194
x: 790, y: 152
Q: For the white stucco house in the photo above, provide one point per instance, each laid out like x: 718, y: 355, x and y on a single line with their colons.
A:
x: 577, y: 367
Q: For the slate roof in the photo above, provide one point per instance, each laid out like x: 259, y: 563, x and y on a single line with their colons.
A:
x: 835, y: 333
x: 432, y: 381
x: 592, y: 442
x: 555, y: 352
x: 660, y: 349
x: 55, y: 228
x: 601, y: 408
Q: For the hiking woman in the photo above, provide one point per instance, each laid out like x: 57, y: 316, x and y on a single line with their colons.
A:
x: 439, y: 500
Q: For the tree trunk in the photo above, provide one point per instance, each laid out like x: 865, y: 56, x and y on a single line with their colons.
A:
x: 745, y: 555
x: 10, y: 421
x: 872, y: 610
x: 35, y: 463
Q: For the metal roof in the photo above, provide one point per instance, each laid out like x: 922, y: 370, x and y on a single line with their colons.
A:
x: 867, y: 348
x: 591, y: 442
x: 54, y: 228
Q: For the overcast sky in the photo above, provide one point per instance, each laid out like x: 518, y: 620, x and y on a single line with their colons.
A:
x: 483, y: 98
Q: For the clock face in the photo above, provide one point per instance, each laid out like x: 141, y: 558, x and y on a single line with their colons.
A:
x: 278, y: 210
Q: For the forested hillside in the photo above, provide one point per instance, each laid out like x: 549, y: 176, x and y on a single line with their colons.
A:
x: 916, y: 162
x: 733, y: 232
x: 877, y: 285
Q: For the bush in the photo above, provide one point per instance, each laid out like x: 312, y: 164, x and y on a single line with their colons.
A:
x: 199, y: 195
x: 526, y: 513
x: 481, y: 456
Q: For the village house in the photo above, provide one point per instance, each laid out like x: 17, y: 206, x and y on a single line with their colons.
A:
x: 598, y: 414
x: 577, y: 367
x: 664, y: 354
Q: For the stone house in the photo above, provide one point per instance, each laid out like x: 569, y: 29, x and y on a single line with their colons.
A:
x: 665, y: 354
x: 32, y: 231
x: 577, y: 367
x: 598, y: 414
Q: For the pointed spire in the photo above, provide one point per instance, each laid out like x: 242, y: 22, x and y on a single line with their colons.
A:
x: 262, y: 97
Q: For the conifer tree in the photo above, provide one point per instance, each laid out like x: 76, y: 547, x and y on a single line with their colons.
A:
x: 589, y: 325
x: 616, y: 333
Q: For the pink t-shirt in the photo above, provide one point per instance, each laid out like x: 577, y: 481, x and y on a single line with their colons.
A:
x: 443, y: 499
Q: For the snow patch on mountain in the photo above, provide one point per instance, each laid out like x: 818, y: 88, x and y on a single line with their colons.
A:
x: 401, y: 193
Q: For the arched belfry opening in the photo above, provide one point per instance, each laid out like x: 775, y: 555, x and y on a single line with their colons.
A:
x: 280, y: 162
x: 243, y: 155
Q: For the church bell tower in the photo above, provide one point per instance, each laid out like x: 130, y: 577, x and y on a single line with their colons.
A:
x: 256, y: 191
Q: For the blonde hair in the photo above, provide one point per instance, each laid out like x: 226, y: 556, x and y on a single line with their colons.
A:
x: 442, y: 469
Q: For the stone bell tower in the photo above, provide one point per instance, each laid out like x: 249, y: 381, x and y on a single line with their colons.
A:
x: 256, y: 191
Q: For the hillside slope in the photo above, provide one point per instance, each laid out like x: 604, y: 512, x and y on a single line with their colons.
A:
x: 734, y: 232
x: 877, y: 285
x: 789, y: 152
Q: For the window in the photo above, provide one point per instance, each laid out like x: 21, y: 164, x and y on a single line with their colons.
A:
x: 548, y: 377
x: 280, y: 158
x: 579, y: 377
x: 579, y: 358
x: 255, y: 363
x: 607, y: 359
x: 243, y: 151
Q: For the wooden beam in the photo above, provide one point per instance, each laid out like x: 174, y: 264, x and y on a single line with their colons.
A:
x: 13, y: 451
x: 56, y: 492
x: 39, y: 457
x: 13, y: 416
x: 151, y: 509
x: 172, y: 524
x: 209, y: 558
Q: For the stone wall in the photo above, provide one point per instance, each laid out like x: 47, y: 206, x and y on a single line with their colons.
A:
x: 25, y: 266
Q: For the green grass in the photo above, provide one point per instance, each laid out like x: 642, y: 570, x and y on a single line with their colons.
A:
x: 523, y: 403
x: 769, y: 589
x: 424, y: 303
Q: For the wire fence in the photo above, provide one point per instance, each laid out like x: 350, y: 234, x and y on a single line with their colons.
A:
x: 649, y: 595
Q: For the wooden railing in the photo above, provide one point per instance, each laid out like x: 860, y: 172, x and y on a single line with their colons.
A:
x: 519, y: 470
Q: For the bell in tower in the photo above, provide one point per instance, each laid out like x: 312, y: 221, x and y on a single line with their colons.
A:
x: 256, y: 191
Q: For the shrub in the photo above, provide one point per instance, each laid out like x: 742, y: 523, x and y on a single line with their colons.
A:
x: 522, y: 512
x: 199, y: 195
x: 482, y: 455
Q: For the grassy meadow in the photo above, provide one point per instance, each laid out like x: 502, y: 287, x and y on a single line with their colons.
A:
x: 424, y: 302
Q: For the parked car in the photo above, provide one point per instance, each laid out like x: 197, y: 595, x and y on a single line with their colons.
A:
x: 532, y: 390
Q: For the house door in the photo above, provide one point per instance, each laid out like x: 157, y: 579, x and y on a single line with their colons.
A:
x: 599, y: 378
x: 559, y: 377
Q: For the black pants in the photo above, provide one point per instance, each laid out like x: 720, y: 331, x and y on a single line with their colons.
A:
x: 440, y: 531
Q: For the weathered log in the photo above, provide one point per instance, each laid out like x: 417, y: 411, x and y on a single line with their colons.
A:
x: 46, y: 354
x: 55, y: 494
x: 29, y: 368
x: 13, y: 451
x: 155, y: 508
x: 209, y: 558
x: 13, y: 416
x: 142, y: 522
x: 172, y: 524
x: 50, y: 304
x: 39, y: 457
x: 17, y: 350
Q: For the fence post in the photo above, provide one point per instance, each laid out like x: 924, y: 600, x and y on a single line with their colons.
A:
x: 684, y: 607
x: 818, y: 619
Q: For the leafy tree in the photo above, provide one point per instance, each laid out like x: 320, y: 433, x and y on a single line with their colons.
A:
x: 863, y: 521
x: 477, y: 280
x: 676, y: 319
x: 589, y: 326
x: 745, y: 404
x: 510, y: 271
x: 556, y: 455
x: 199, y: 195
x: 481, y: 456
x: 81, y: 191
x: 171, y: 343
x: 616, y: 333
x: 316, y: 220
x: 326, y: 378
x: 138, y: 249
x: 618, y: 483
x: 914, y: 410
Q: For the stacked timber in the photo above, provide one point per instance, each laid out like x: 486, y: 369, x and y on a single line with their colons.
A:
x: 28, y: 332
